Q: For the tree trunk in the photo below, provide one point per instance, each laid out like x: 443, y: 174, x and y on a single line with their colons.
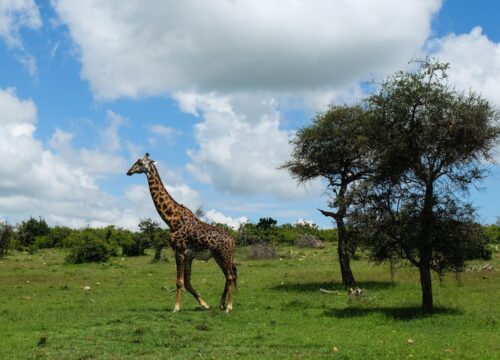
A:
x: 426, y: 284
x: 425, y: 252
x: 345, y: 265
x: 157, y: 256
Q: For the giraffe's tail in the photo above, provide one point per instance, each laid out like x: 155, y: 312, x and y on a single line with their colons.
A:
x: 235, y: 275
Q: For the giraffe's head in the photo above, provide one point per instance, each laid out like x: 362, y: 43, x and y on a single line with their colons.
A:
x: 141, y: 166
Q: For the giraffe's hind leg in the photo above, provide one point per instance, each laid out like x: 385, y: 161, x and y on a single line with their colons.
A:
x: 226, y: 267
x: 189, y: 287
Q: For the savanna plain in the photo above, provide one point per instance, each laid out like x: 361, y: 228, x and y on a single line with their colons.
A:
x: 122, y: 309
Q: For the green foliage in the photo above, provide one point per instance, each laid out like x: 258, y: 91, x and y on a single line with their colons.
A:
x: 88, y: 245
x: 492, y: 232
x: 151, y: 234
x: 249, y: 233
x: 132, y: 244
x: 428, y: 151
x: 28, y: 230
x: 265, y: 231
x: 58, y: 234
x: 336, y: 147
x: 42, y: 242
x: 6, y: 232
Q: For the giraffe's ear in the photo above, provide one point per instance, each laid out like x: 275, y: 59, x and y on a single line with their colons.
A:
x: 154, y: 162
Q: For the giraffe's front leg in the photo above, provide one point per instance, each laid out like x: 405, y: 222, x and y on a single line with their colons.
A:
x: 179, y: 261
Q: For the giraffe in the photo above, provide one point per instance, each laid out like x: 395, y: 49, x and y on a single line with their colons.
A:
x: 190, y: 238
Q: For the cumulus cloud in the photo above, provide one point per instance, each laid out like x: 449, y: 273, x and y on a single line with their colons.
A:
x: 103, y: 158
x: 474, y: 60
x: 474, y: 64
x: 237, y: 64
x: 33, y: 177
x: 60, y: 184
x: 217, y: 217
x: 142, y: 47
x: 237, y: 154
x: 15, y: 15
x: 162, y: 133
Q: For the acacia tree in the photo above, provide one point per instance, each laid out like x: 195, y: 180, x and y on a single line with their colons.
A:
x: 335, y: 147
x: 154, y: 236
x: 430, y: 144
x: 6, y: 232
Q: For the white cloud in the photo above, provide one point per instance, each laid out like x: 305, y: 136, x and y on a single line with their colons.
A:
x: 162, y: 133
x: 214, y: 216
x: 15, y: 15
x: 103, y: 159
x: 474, y: 62
x: 237, y: 154
x: 236, y: 64
x: 142, y: 47
x: 35, y: 181
x: 304, y: 222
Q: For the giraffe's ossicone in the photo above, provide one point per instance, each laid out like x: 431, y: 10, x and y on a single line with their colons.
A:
x: 190, y: 237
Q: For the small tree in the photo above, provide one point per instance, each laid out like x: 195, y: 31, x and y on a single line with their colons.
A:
x: 29, y: 230
x: 5, y: 237
x: 336, y: 148
x: 430, y: 143
x: 154, y: 235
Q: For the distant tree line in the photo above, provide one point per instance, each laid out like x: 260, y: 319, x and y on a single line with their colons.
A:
x: 99, y: 244
x: 84, y: 245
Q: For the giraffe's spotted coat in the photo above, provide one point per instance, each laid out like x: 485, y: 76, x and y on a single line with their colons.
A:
x: 190, y: 237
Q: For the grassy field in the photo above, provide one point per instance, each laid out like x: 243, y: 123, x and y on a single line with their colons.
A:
x: 279, y: 311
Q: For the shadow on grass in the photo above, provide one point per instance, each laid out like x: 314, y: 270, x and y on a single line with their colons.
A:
x: 397, y: 313
x: 332, y: 286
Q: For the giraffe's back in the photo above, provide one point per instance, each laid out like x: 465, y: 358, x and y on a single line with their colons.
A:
x: 207, y: 240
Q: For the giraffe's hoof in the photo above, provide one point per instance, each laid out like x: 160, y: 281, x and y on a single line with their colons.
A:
x: 229, y: 309
x: 222, y: 307
x: 203, y: 304
x: 176, y: 309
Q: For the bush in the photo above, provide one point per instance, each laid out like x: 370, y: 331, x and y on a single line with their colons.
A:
x: 133, y: 244
x: 309, y: 241
x: 58, y: 235
x: 87, y: 246
x: 42, y: 242
x: 5, y: 238
x: 262, y: 250
x: 29, y: 230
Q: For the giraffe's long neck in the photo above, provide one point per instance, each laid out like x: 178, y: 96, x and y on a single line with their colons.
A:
x: 169, y: 210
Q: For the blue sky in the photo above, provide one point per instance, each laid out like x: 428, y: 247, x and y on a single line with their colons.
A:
x: 213, y: 92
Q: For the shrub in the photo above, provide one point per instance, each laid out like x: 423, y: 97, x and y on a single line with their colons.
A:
x: 263, y: 250
x: 42, y: 242
x: 58, y: 235
x: 5, y: 238
x: 133, y: 244
x: 87, y: 246
x: 309, y: 241
x: 28, y: 230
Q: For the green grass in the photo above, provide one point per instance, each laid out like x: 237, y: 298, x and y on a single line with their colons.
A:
x: 279, y: 311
